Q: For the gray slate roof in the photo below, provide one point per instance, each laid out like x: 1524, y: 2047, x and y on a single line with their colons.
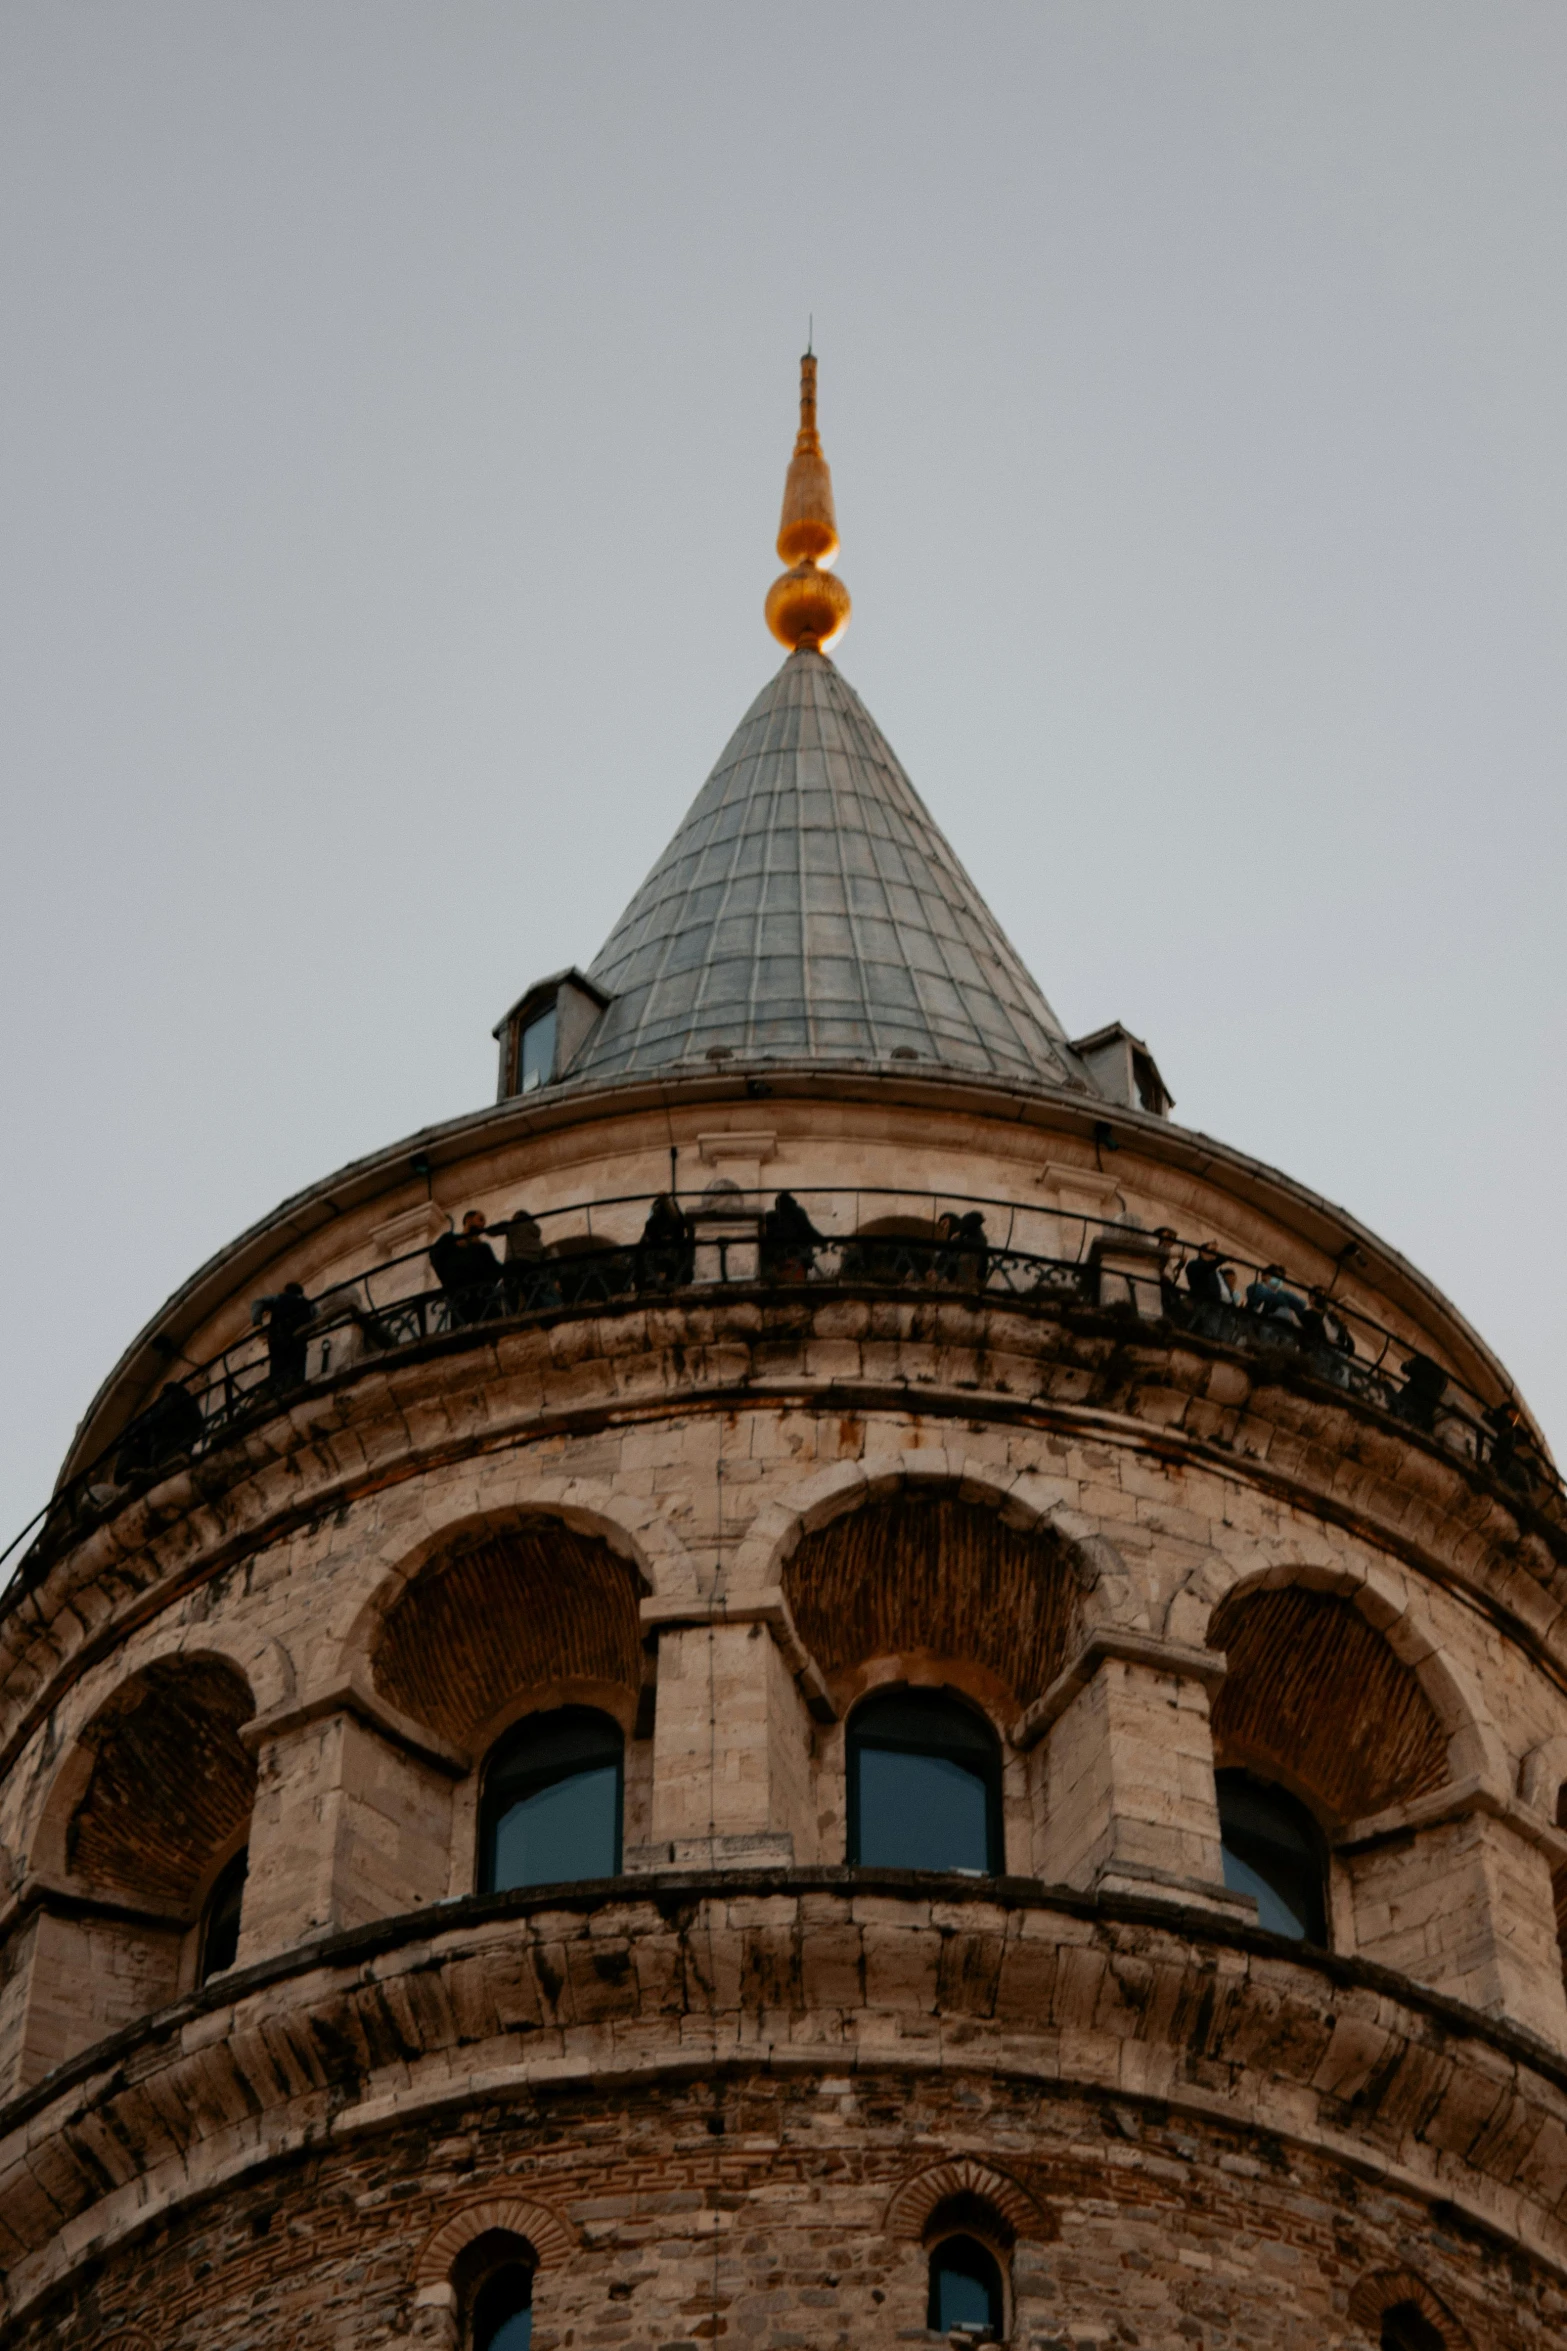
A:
x: 809, y: 908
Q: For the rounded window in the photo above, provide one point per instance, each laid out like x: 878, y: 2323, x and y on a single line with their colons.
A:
x: 1273, y: 1849
x: 220, y: 1919
x: 1406, y: 2328
x: 965, y: 2289
x: 552, y: 1801
x: 493, y: 2278
x: 924, y: 1785
x: 503, y: 2310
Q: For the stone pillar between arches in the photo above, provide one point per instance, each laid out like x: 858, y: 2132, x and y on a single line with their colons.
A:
x: 352, y: 1821
x: 1454, y: 1890
x: 731, y: 1748
x: 72, y: 1972
x: 1130, y: 1804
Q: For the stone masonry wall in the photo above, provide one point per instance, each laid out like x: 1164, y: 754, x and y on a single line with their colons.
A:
x: 753, y: 2210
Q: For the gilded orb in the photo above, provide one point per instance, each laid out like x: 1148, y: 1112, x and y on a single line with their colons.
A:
x: 808, y: 609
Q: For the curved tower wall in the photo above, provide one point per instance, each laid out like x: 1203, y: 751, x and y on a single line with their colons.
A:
x: 735, y: 2089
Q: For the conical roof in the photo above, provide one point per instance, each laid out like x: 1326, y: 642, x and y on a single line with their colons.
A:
x: 809, y: 908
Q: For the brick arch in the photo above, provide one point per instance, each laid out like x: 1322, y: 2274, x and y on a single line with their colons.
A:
x: 127, y: 2339
x: 909, y: 2211
x: 1316, y: 1693
x: 1021, y: 1498
x: 551, y: 2238
x: 159, y: 1783
x: 1383, y: 2290
x: 530, y: 1604
x: 928, y: 1569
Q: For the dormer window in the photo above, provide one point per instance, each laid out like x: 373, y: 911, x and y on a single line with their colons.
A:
x: 536, y: 1051
x: 1124, y: 1070
x: 545, y: 1030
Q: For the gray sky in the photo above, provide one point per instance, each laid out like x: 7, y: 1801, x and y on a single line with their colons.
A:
x: 393, y: 414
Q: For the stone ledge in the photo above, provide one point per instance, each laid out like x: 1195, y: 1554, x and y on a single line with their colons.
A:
x: 628, y: 1984
x: 865, y: 1891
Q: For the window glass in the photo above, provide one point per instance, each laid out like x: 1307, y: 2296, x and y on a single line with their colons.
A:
x: 220, y: 1926
x: 552, y: 1799
x: 503, y: 2311
x: 965, y: 2288
x: 536, y: 1060
x: 924, y: 1785
x: 1272, y: 1849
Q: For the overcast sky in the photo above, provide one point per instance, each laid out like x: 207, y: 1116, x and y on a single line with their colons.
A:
x: 393, y: 413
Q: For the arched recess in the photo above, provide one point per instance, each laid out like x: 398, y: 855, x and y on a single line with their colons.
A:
x: 1385, y: 2290
x: 927, y: 1572
x: 533, y: 1609
x: 963, y: 2183
x: 551, y: 2238
x: 1316, y: 1698
x: 168, y: 1789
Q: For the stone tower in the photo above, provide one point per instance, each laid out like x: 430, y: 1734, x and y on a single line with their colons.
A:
x: 905, y: 1704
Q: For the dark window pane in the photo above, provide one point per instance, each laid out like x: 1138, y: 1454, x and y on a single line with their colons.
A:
x: 924, y: 1720
x: 924, y: 1785
x: 921, y: 1812
x: 1272, y: 1850
x: 561, y: 1832
x: 965, y: 2288
x: 220, y: 1930
x: 538, y: 1053
x: 552, y: 1800
x: 513, y: 2334
x: 503, y: 2311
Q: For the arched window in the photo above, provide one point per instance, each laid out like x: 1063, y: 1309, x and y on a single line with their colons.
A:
x: 1273, y: 1849
x: 220, y: 1918
x: 551, y: 1811
x: 924, y: 1785
x: 494, y: 2281
x: 965, y: 2289
x: 503, y: 2310
x: 1406, y: 2328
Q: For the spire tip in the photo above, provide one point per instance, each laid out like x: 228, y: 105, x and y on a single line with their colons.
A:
x: 808, y: 609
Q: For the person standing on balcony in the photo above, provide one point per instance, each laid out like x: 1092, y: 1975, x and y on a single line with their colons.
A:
x: 789, y: 1241
x: 1211, y: 1284
x: 467, y: 1268
x: 287, y: 1314
x: 1324, y: 1333
x: 1268, y: 1297
x: 1508, y: 1449
x: 667, y: 1257
x: 526, y: 1283
x: 171, y: 1424
x: 1425, y: 1385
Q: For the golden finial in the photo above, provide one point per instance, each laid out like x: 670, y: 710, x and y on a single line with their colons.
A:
x: 808, y: 609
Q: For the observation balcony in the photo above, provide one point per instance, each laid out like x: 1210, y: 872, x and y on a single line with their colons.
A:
x: 592, y: 1258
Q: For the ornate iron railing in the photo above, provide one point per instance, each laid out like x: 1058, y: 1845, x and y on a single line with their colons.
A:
x: 927, y: 1244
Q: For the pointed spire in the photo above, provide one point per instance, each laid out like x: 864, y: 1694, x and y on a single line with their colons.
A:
x: 809, y: 910
x: 808, y: 609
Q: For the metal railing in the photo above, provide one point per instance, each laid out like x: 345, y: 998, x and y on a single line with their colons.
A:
x: 869, y: 1238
